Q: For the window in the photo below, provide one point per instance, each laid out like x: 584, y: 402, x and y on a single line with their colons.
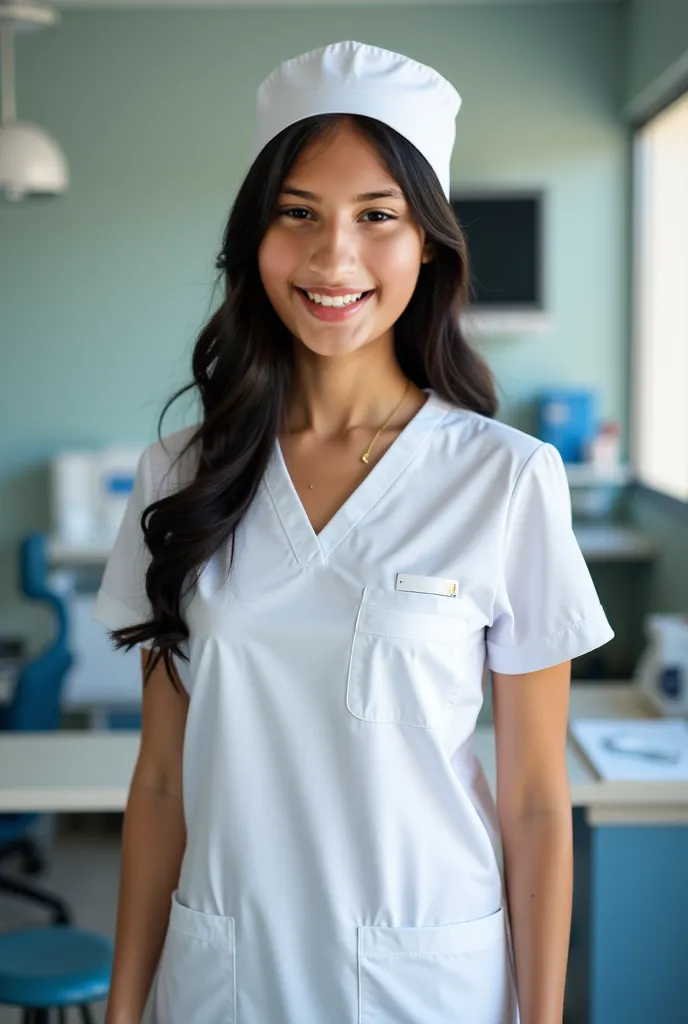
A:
x: 660, y: 303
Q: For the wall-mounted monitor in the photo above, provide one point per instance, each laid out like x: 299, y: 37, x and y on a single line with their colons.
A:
x: 505, y: 235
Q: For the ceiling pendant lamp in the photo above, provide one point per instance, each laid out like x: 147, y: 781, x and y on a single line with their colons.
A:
x: 31, y: 162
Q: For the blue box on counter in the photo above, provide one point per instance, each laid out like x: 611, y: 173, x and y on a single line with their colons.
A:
x: 567, y: 419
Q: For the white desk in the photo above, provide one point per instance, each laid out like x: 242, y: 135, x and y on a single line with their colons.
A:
x: 628, y: 881
x: 66, y: 771
x: 614, y: 542
x: 91, y: 771
x: 607, y: 802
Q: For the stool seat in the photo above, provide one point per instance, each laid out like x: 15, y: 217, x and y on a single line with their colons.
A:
x: 54, y: 966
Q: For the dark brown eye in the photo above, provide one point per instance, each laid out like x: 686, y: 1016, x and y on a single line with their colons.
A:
x: 292, y: 210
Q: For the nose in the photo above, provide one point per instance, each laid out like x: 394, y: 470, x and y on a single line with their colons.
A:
x: 334, y: 256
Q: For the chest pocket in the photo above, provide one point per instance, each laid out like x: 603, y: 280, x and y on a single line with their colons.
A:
x: 405, y: 665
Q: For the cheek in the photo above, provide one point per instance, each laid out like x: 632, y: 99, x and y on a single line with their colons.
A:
x: 399, y: 265
x: 276, y: 260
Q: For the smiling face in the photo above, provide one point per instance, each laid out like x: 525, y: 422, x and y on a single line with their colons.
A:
x: 342, y: 227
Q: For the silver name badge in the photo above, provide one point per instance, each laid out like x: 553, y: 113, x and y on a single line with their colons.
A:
x: 427, y: 585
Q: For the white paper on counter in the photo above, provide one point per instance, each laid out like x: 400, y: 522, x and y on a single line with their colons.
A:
x: 664, y: 734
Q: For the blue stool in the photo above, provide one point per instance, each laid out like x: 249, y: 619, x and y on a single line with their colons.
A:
x: 53, y: 968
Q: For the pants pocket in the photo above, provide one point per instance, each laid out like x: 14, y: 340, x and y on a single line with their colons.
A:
x: 196, y: 981
x: 448, y: 974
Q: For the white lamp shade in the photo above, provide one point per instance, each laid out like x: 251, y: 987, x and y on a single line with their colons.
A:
x: 31, y: 162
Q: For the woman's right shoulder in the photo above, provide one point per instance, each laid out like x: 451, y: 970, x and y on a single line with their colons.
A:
x: 168, y: 464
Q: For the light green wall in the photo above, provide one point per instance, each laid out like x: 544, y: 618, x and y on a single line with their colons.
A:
x: 102, y: 292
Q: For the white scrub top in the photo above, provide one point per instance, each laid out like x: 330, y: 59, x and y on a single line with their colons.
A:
x: 342, y: 861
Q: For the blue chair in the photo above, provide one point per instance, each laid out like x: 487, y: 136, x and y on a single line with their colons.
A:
x: 35, y: 707
x: 50, y: 967
x: 44, y: 969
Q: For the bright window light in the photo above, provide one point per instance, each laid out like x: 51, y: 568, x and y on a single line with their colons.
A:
x: 660, y: 301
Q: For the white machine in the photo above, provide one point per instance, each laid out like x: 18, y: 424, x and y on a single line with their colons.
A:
x: 662, y: 671
x: 101, y: 679
x: 89, y: 492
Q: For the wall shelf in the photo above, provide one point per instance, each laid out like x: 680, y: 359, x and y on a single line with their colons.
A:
x: 583, y: 474
x: 506, y: 321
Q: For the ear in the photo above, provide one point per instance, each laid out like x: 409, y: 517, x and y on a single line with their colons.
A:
x: 428, y: 253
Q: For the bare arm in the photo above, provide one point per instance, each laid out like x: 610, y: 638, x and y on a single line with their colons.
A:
x: 534, y: 806
x: 153, y: 843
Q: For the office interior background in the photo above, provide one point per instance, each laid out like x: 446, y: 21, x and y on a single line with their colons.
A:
x: 104, y: 288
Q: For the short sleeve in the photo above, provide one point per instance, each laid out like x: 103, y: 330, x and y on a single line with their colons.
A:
x: 121, y: 600
x: 546, y: 608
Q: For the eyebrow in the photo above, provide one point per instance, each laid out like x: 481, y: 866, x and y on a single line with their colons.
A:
x: 365, y: 197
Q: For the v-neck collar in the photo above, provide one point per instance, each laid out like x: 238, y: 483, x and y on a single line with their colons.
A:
x: 313, y: 548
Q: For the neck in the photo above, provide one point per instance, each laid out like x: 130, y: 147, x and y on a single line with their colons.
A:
x: 333, y: 401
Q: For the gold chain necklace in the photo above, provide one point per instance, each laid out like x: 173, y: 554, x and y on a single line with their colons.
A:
x: 366, y: 454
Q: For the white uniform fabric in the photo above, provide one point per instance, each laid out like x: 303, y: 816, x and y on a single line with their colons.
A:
x: 357, y: 78
x: 342, y: 860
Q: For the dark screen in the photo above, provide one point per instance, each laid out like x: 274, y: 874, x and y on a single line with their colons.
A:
x: 503, y: 237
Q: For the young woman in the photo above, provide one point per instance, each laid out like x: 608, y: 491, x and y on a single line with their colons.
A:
x: 323, y: 568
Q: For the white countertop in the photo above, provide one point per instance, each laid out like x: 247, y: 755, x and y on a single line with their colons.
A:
x: 70, y: 770
x: 614, y: 542
x: 91, y: 771
x: 606, y: 801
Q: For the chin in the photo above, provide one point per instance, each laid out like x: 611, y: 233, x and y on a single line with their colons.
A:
x: 331, y: 346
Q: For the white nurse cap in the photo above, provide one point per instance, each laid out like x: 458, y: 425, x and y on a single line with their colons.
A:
x: 355, y: 78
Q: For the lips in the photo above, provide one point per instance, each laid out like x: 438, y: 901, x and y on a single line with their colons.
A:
x: 334, y: 314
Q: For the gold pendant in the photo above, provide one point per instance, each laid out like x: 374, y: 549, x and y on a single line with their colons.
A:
x: 364, y: 458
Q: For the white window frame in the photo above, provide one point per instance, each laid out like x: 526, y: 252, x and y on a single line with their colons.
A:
x: 659, y: 365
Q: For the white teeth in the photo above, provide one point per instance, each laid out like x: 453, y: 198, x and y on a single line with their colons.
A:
x: 334, y: 300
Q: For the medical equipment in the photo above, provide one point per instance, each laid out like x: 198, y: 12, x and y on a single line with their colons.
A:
x: 662, y: 671
x: 567, y: 419
x: 89, y: 492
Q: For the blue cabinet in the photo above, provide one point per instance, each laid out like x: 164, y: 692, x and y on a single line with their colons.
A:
x: 629, y: 940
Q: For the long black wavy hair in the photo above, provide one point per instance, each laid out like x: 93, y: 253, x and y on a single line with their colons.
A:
x: 243, y: 362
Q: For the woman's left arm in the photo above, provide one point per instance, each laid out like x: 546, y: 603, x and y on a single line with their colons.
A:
x: 534, y: 807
